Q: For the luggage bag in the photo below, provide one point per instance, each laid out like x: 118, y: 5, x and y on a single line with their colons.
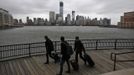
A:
x: 89, y: 60
x: 75, y: 65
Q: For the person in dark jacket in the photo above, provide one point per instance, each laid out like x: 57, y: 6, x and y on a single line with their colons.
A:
x: 49, y: 49
x: 65, y: 57
x: 79, y: 48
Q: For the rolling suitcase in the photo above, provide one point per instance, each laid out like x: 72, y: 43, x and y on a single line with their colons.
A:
x: 75, y: 65
x: 56, y: 57
x: 89, y: 60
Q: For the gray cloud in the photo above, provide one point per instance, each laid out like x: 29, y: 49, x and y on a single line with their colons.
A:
x: 108, y: 8
x: 118, y: 6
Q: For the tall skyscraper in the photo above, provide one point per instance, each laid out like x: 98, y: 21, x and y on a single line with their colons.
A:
x: 20, y: 21
x: 52, y: 17
x: 27, y: 19
x: 61, y: 9
x: 35, y: 21
x: 68, y: 19
x: 73, y: 17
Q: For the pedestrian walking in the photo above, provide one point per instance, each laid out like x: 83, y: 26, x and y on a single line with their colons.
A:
x: 65, y: 57
x: 49, y: 49
x: 79, y: 48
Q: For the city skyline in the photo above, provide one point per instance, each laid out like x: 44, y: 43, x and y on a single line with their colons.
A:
x: 92, y: 8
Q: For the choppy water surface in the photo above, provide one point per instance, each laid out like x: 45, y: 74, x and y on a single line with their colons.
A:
x: 35, y: 33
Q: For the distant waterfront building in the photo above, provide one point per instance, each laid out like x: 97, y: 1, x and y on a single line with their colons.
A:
x: 35, y: 22
x: 95, y: 22
x: 68, y: 19
x: 15, y: 22
x: 101, y: 21
x: 73, y: 17
x: 57, y: 15
x: 79, y: 20
x: 52, y: 17
x: 29, y: 21
x: 20, y: 22
x: 40, y: 21
x: 59, y: 20
x: 61, y: 9
x: 88, y: 20
x: 106, y: 21
x: 127, y: 21
x: 46, y: 22
x: 6, y: 19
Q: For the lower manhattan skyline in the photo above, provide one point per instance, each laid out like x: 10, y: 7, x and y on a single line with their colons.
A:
x: 92, y: 8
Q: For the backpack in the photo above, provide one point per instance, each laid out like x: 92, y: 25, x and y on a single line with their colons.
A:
x: 69, y: 49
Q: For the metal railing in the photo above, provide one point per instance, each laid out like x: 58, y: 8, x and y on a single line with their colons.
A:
x: 114, y: 58
x: 14, y: 51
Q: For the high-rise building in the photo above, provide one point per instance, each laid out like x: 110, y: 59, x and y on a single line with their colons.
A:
x: 40, y: 21
x: 79, y: 20
x: 15, y: 22
x: 68, y: 19
x: 57, y: 15
x: 20, y: 22
x: 61, y: 9
x: 52, y: 17
x: 73, y: 16
x: 5, y: 18
x: 106, y: 21
x: 127, y: 21
x: 35, y: 22
x: 29, y: 21
x: 58, y: 19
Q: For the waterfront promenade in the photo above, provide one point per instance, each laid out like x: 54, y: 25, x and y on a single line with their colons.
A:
x: 29, y: 58
x: 35, y: 65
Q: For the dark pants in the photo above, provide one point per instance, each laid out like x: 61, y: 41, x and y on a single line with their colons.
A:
x: 80, y: 54
x: 63, y: 59
x: 47, y: 56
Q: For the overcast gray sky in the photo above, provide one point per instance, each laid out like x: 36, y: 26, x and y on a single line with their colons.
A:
x: 93, y: 8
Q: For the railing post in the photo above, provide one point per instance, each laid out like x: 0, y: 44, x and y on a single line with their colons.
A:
x: 115, y: 44
x: 111, y: 56
x: 55, y: 46
x: 96, y: 44
x: 29, y: 48
x: 114, y: 62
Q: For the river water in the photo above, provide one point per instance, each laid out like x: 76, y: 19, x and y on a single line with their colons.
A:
x: 28, y: 34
